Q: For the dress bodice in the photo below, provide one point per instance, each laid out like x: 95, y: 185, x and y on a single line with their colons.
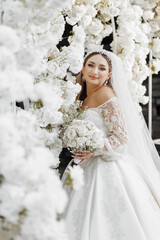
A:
x: 95, y: 115
x: 108, y: 117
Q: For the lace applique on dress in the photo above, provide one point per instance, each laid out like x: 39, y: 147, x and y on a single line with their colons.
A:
x: 80, y: 212
x: 113, y: 202
x: 113, y: 118
x: 114, y: 126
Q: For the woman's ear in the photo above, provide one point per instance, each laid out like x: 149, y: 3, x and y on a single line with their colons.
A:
x: 109, y: 74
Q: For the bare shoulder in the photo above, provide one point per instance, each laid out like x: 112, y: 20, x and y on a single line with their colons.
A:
x: 104, y: 94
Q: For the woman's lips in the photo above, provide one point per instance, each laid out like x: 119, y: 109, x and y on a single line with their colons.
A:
x: 93, y: 77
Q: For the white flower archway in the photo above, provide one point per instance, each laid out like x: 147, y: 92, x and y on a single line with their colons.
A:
x: 33, y: 67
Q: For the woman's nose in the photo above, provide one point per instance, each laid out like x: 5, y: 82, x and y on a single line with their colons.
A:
x: 95, y: 70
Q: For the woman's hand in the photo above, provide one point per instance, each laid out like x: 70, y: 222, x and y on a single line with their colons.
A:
x: 82, y: 156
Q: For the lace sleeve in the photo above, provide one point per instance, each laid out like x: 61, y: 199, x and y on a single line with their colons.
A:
x: 116, y: 140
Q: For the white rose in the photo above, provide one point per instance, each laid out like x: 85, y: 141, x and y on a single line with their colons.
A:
x: 113, y: 11
x: 154, y: 26
x: 107, y: 30
x: 156, y: 45
x: 95, y: 27
x: 88, y: 143
x: 78, y: 11
x: 95, y: 136
x: 78, y: 35
x: 89, y: 125
x: 148, y: 14
x: 91, y: 10
x: 146, y: 28
x: 156, y: 66
x: 81, y: 142
x: 85, y: 21
x: 82, y: 131
x: 77, y: 122
x: 71, y: 134
x: 144, y: 99
x: 141, y: 37
x: 73, y: 144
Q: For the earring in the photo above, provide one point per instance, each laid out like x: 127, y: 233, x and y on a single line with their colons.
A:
x: 83, y: 79
x: 106, y: 82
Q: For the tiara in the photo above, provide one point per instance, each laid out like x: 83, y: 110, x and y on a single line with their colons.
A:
x: 101, y: 51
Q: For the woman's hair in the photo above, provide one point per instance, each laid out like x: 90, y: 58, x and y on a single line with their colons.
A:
x: 82, y: 95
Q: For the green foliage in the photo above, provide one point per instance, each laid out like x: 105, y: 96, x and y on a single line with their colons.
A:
x: 49, y: 128
x: 69, y: 180
x: 73, y: 112
x: 153, y: 68
x: 38, y: 104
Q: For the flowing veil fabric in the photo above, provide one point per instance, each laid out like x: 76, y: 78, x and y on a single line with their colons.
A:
x: 141, y: 146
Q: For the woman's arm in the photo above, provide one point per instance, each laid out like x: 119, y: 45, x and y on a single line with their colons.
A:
x: 116, y: 142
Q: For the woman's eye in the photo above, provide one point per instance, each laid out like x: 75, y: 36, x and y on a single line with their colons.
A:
x: 90, y: 65
x: 102, y: 69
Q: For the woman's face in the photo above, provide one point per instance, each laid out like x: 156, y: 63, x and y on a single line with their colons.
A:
x: 96, y: 70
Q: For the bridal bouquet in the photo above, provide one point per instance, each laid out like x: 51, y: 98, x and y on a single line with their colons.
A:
x: 83, y: 136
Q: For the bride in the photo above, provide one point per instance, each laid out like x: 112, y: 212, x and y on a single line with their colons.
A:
x: 120, y: 198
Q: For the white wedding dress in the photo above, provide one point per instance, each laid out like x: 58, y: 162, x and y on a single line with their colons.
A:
x: 118, y: 200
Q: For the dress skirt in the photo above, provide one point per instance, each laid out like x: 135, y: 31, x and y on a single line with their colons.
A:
x: 118, y: 201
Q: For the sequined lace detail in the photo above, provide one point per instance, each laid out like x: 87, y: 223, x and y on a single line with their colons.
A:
x: 113, y: 125
x: 113, y: 118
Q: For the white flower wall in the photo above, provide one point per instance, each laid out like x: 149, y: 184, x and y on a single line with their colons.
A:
x: 137, y: 34
x: 33, y: 67
x: 30, y: 192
